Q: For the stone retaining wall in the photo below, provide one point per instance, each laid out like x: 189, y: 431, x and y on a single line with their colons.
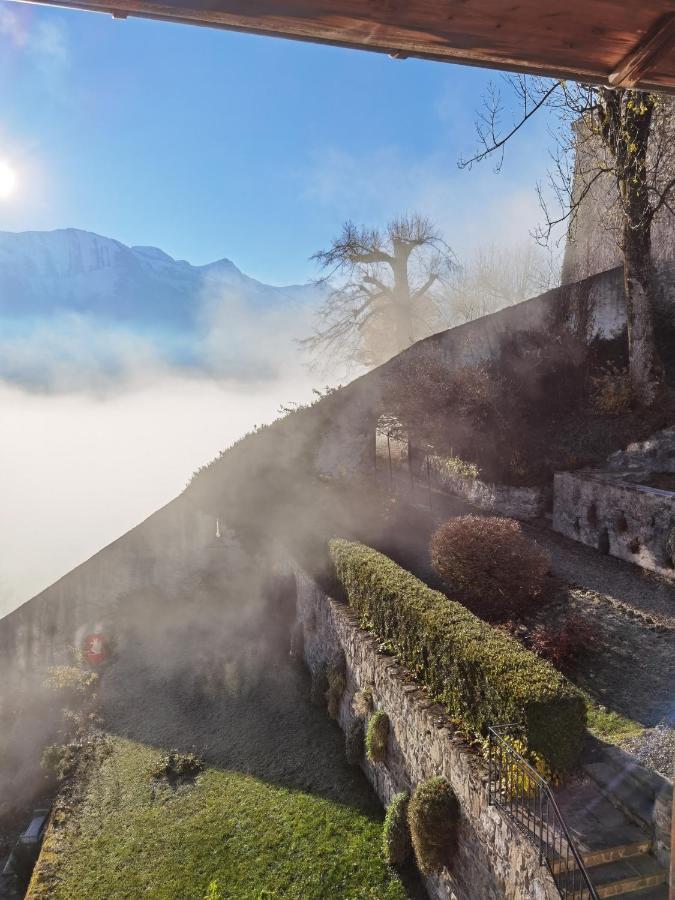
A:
x: 504, y: 499
x: 635, y: 523
x: 493, y: 860
x: 614, y: 509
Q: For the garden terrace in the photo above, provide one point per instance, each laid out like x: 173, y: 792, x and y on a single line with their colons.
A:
x: 479, y: 674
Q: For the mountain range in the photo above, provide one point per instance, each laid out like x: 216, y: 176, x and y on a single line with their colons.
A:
x: 47, y: 272
x: 79, y: 310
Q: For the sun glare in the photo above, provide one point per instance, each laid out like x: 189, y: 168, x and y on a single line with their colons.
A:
x: 7, y: 180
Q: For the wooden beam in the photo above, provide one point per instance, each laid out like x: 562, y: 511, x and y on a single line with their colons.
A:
x: 644, y: 56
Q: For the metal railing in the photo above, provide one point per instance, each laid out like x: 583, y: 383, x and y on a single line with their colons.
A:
x: 527, y: 799
x: 423, y: 462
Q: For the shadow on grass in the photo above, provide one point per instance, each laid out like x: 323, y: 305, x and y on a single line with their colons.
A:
x: 254, y: 718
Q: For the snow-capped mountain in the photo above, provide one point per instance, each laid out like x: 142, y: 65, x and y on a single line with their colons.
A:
x: 78, y: 310
x: 44, y: 272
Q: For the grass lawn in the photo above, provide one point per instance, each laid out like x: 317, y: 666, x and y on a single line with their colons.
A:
x: 254, y: 839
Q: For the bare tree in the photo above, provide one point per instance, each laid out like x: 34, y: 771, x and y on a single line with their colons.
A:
x: 384, y: 290
x: 600, y: 132
x: 497, y: 277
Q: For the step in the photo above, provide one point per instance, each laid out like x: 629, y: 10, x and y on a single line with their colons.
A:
x: 627, y: 766
x: 616, y: 879
x: 625, y: 793
x: 654, y: 893
x: 592, y: 858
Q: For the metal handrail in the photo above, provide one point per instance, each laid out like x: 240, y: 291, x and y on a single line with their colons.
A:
x: 521, y: 792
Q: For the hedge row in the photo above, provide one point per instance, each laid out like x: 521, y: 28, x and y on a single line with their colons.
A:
x: 481, y: 675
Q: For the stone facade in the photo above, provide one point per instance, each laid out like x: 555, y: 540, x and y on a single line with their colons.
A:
x: 611, y: 510
x: 493, y: 860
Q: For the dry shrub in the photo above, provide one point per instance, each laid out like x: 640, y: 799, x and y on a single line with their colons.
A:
x: 433, y: 817
x: 395, y: 833
x: 336, y: 686
x: 565, y: 645
x: 176, y: 766
x: 611, y: 391
x: 499, y: 570
x: 377, y: 737
x: 355, y: 742
x: 363, y: 701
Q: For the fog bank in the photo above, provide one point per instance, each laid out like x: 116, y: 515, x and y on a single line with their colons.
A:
x: 77, y: 470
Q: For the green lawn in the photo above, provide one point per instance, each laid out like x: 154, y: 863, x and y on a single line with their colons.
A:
x: 253, y: 838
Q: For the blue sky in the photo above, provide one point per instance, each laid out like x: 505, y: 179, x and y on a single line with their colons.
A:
x: 210, y: 144
x: 206, y: 144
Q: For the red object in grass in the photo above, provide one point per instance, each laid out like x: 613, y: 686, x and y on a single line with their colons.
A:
x: 95, y: 649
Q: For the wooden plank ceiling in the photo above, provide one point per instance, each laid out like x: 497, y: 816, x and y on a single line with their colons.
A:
x: 622, y: 42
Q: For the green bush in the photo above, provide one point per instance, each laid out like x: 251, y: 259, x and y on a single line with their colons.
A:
x: 395, y: 833
x: 60, y: 759
x: 481, y: 675
x: 355, y: 742
x: 71, y: 680
x: 377, y: 735
x: 433, y: 817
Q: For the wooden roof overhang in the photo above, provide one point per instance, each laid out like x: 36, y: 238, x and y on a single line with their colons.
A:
x: 625, y: 43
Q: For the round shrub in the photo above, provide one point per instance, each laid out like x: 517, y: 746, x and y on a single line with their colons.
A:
x: 336, y: 685
x: 355, y: 742
x: 363, y: 701
x: 377, y: 736
x: 433, y: 817
x: 499, y: 570
x: 396, y: 834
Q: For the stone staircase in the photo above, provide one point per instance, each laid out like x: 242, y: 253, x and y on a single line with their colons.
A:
x: 617, y: 852
x: 599, y: 834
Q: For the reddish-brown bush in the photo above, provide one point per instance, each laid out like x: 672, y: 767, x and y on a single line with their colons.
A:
x: 564, y: 645
x: 499, y: 571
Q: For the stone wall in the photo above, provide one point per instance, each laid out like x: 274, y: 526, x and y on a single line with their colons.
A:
x: 504, y: 499
x: 609, y: 508
x: 493, y: 860
x: 158, y: 552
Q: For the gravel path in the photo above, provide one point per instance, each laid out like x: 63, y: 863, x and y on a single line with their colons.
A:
x: 649, y: 595
x: 632, y: 670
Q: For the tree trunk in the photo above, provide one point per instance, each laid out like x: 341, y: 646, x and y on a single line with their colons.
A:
x: 403, y: 323
x: 626, y: 130
x: 646, y: 371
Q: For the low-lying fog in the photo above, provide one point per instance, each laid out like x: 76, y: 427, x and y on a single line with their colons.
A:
x: 77, y: 470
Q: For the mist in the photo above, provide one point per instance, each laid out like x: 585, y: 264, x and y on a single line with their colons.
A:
x: 78, y: 470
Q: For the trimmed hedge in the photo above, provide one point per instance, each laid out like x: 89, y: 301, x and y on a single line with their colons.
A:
x: 481, y: 675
